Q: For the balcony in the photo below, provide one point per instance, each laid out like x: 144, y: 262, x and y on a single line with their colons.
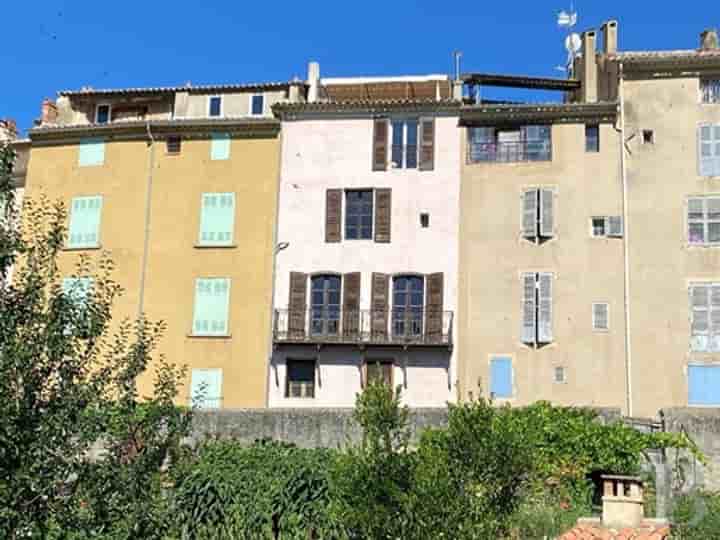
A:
x: 509, y: 152
x: 416, y: 327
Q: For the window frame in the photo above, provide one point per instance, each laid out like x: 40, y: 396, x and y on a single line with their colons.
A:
x: 109, y: 114
x: 289, y: 382
x: 251, y: 103
x: 596, y: 148
x: 564, y: 379
x: 537, y: 276
x: 359, y: 226
x: 404, y: 120
x: 88, y: 141
x: 221, y: 107
x: 513, y: 389
x: 383, y: 362
x: 493, y: 146
x: 408, y: 307
x: 593, y: 319
x: 217, y: 138
x: 712, y: 81
x: 605, y: 227
x: 219, y: 398
x: 712, y: 334
x: 326, y: 306
x: 700, y: 364
x: 210, y: 333
x: 539, y: 237
x: 705, y: 221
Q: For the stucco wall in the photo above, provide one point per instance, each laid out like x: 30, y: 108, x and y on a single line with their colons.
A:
x: 234, y: 104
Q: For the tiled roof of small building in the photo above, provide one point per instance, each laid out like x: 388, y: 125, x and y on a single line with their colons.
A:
x: 173, y: 89
x: 595, y: 531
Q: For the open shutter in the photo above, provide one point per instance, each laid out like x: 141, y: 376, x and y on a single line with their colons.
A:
x: 379, y: 306
x: 547, y: 213
x: 615, y: 226
x: 380, y: 144
x: 715, y: 317
x: 333, y: 215
x: 297, y: 305
x: 427, y: 144
x: 709, y: 150
x: 351, y: 304
x: 383, y: 213
x: 529, y: 320
x: 545, y: 333
x: 700, y: 317
x: 529, y: 213
x: 434, y: 307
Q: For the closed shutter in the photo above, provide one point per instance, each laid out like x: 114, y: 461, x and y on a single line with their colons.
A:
x: 85, y: 216
x: 379, y: 306
x: 434, y: 307
x: 529, y: 320
x: 547, y: 213
x: 501, y: 377
x: 545, y: 333
x: 212, y: 301
x: 700, y: 317
x: 715, y: 317
x: 615, y: 226
x: 333, y: 215
x: 383, y: 213
x: 709, y: 150
x: 529, y: 213
x: 206, y: 388
x: 713, y: 220
x: 601, y: 316
x: 380, y: 143
x: 77, y: 289
x: 351, y: 305
x: 704, y: 385
x: 427, y: 144
x: 217, y: 219
x: 220, y: 146
x: 92, y: 152
x: 297, y: 305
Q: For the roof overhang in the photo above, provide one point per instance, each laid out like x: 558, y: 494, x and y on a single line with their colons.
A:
x: 219, y: 88
x: 669, y: 62
x: 291, y: 111
x: 559, y: 113
x: 520, y: 81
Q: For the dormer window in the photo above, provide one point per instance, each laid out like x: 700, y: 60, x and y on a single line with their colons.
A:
x: 257, y: 105
x: 102, y: 114
x: 215, y: 106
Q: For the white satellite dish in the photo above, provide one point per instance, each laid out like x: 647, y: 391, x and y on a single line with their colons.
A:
x: 573, y: 44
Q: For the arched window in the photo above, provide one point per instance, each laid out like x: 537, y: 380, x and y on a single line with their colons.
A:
x: 325, y: 305
x: 408, y: 303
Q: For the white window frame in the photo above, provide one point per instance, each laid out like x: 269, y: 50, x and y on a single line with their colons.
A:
x: 404, y: 120
x: 250, y: 104
x: 605, y: 227
x: 222, y: 106
x: 704, y: 80
x: 709, y: 334
x: 595, y: 327
x: 705, y: 222
x: 564, y: 379
x: 97, y: 111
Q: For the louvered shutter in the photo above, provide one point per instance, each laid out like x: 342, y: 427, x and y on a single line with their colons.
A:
x: 615, y: 226
x: 545, y: 331
x: 297, y: 305
x: 547, y: 213
x: 220, y: 146
x: 217, y: 219
x: 529, y: 213
x: 700, y: 317
x: 212, y: 296
x: 333, y: 215
x: 715, y: 317
x: 379, y: 306
x: 380, y: 144
x: 351, y: 305
x: 77, y: 289
x: 383, y: 214
x: 601, y: 316
x: 91, y: 153
x: 206, y: 388
x: 709, y: 150
x: 85, y: 215
x: 529, y: 319
x: 501, y: 377
x: 434, y: 307
x: 427, y: 144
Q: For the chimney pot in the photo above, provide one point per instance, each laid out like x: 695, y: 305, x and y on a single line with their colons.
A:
x: 709, y: 40
x: 313, y: 81
x: 622, y: 501
x: 589, y: 76
x: 610, y: 37
x: 49, y: 112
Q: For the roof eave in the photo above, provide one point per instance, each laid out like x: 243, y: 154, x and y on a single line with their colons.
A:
x: 553, y: 113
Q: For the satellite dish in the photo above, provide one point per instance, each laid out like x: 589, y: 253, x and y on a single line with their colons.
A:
x: 573, y: 44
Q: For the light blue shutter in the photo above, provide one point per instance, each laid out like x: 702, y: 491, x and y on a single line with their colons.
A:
x: 211, y: 307
x: 220, y: 146
x: 217, y: 220
x: 206, y: 388
x: 501, y: 377
x: 85, y: 215
x: 704, y: 385
x: 77, y: 288
x: 92, y: 152
x: 709, y: 150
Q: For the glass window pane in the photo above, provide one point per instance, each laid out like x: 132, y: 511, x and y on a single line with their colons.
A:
x: 215, y: 106
x: 258, y: 104
x: 705, y: 133
x: 714, y: 232
x: 598, y: 225
x: 706, y: 150
x: 696, y: 233
x: 103, y: 114
x: 412, y: 132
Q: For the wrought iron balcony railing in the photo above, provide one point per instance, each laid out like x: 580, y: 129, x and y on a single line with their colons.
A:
x: 391, y: 327
x: 508, y: 152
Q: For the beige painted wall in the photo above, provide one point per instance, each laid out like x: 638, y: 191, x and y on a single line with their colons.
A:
x: 234, y: 104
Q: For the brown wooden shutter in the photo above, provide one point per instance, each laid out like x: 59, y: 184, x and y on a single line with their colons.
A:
x: 434, y: 307
x: 297, y: 305
x: 383, y: 213
x: 380, y: 144
x: 351, y: 305
x: 333, y: 215
x: 379, y: 306
x: 427, y: 144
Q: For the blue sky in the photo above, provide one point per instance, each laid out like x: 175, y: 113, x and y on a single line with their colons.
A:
x: 65, y: 44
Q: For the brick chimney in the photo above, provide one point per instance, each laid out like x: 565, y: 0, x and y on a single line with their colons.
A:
x: 610, y: 37
x: 709, y: 40
x: 622, y: 501
x: 8, y: 130
x: 49, y: 112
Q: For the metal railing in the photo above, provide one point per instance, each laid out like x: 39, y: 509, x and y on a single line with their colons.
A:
x: 390, y: 327
x: 509, y: 152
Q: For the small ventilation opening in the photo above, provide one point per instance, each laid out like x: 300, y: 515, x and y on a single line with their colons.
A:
x: 559, y: 374
x: 424, y: 220
x: 174, y: 144
x: 648, y: 136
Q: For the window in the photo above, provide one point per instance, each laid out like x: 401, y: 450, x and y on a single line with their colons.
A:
x: 703, y: 220
x: 77, y: 289
x: 501, y: 377
x: 405, y: 144
x: 648, y: 136
x: 92, y: 152
x: 173, y: 144
x: 206, y: 388
x: 220, y: 146
x: 325, y: 300
x: 300, y: 379
x: 424, y: 220
x: 217, y: 219
x: 538, y: 214
x: 606, y: 226
x: 559, y: 373
x: 537, y: 308
x: 257, y: 105
x: 512, y: 144
x: 379, y: 371
x: 601, y: 316
x: 85, y: 215
x: 592, y: 138
x: 212, y: 296
x: 358, y: 215
x: 102, y: 114
x: 709, y: 148
x: 710, y: 90
x: 215, y: 106
x: 705, y: 317
x: 408, y: 304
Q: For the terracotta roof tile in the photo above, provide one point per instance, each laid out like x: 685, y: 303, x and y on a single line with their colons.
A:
x: 593, y: 532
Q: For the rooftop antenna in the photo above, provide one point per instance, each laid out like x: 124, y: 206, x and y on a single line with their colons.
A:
x: 457, y: 55
x: 567, y: 20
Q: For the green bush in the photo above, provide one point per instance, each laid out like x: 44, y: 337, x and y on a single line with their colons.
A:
x: 696, y: 516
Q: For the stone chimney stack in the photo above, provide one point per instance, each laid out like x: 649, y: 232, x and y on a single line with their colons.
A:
x: 610, y: 37
x: 49, y: 112
x: 8, y: 130
x: 589, y: 67
x: 313, y: 82
x: 622, y: 502
x: 709, y: 40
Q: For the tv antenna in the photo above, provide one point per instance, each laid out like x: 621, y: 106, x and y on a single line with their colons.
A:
x: 567, y: 20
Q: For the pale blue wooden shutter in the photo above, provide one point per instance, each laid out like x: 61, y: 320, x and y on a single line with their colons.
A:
x: 501, y: 377
x: 700, y: 317
x: 206, y: 388
x: 92, y: 152
x: 704, y: 385
x: 709, y: 150
x: 217, y: 220
x: 85, y: 215
x: 211, y: 307
x: 530, y: 213
x: 220, y: 146
x: 77, y: 288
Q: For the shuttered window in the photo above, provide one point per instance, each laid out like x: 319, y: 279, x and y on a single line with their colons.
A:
x: 351, y: 305
x: 538, y: 213
x: 217, y: 219
x: 300, y: 379
x: 379, y: 305
x: 206, y: 388
x: 77, y: 289
x: 380, y: 144
x: 427, y: 144
x: 607, y: 226
x: 220, y: 146
x: 705, y: 317
x: 405, y: 144
x: 85, y: 215
x: 501, y: 377
x: 212, y: 299
x: 537, y: 308
x: 297, y: 304
x: 703, y: 220
x: 92, y: 152
x: 710, y: 90
x: 704, y: 385
x: 379, y: 371
x: 709, y: 150
x: 358, y: 215
x: 601, y: 316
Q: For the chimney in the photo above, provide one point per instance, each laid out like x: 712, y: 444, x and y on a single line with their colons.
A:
x: 610, y: 37
x: 8, y: 130
x: 313, y: 81
x: 622, y: 501
x: 49, y: 112
x: 589, y: 70
x: 709, y: 40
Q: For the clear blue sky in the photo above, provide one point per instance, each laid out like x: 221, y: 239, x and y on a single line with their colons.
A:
x: 65, y: 44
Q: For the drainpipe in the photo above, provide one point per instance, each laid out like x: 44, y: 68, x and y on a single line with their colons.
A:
x: 148, y: 206
x: 626, y: 249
